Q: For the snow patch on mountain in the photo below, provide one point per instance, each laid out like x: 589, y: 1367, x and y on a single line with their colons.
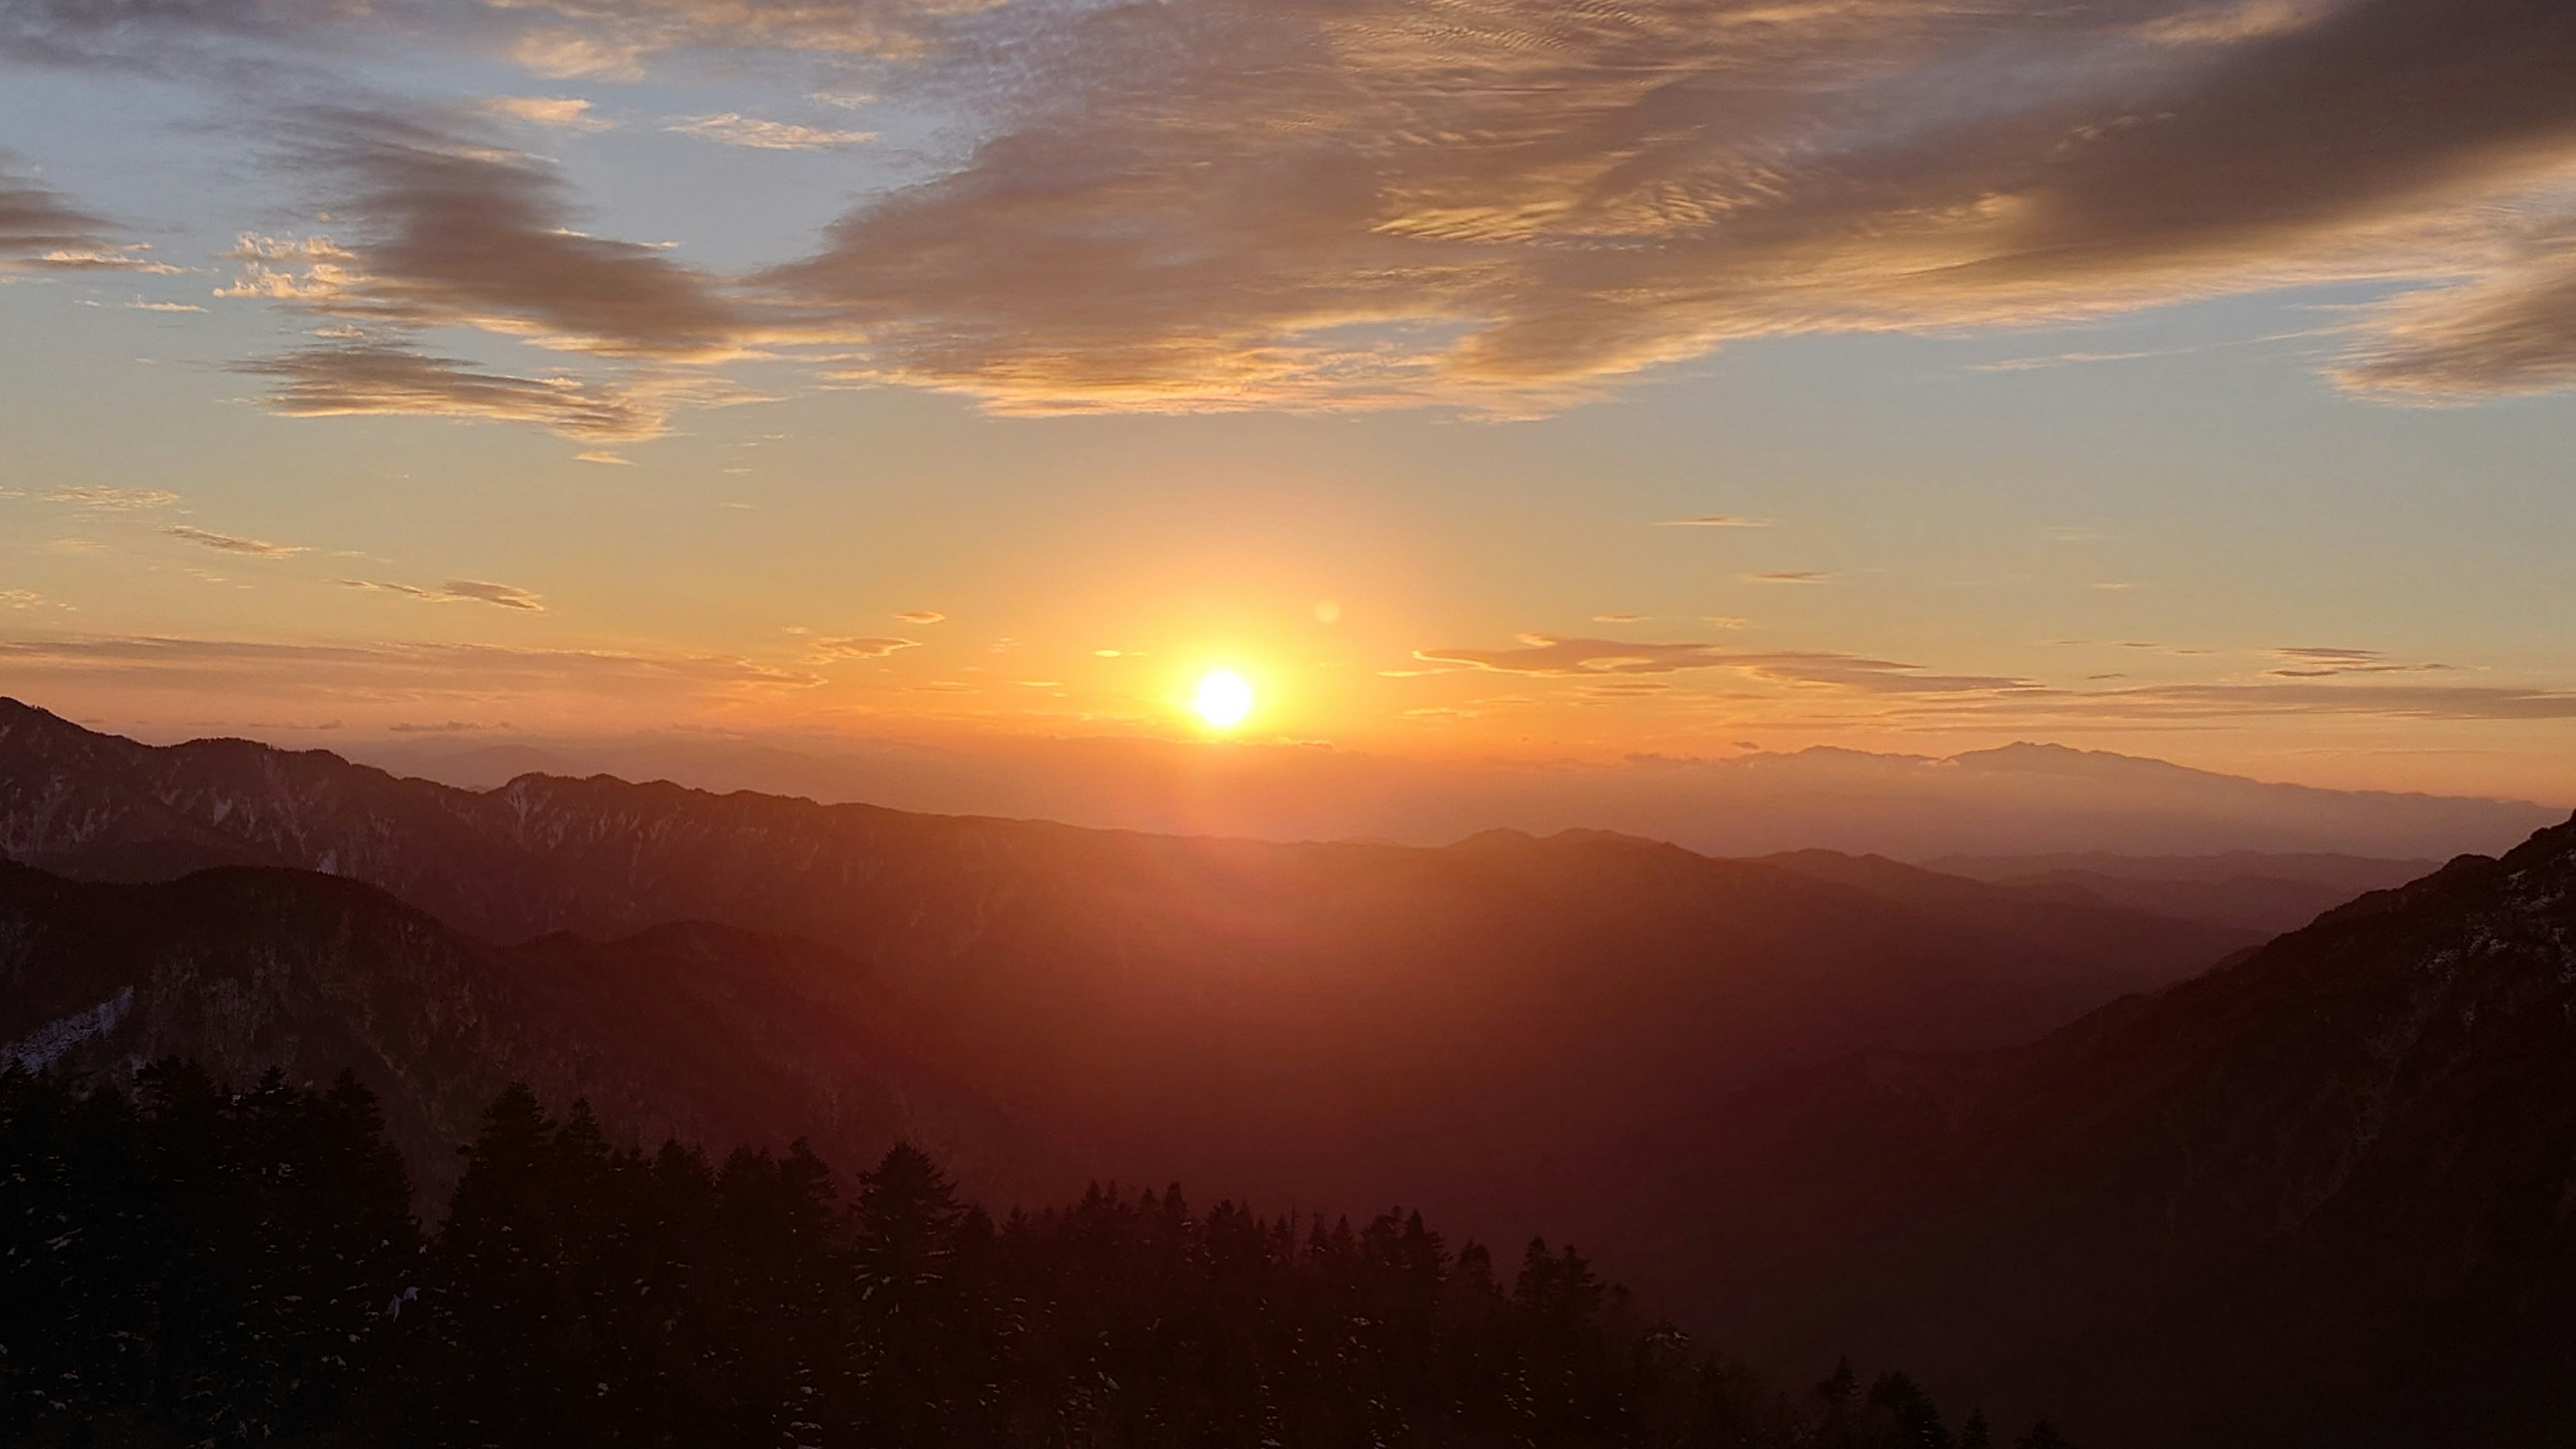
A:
x: 39, y: 1049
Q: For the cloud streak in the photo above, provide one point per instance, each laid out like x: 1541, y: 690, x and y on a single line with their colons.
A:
x: 228, y: 543
x: 1546, y: 654
x: 457, y: 591
x: 42, y: 230
x: 372, y: 378
x: 860, y: 648
x: 388, y: 673
x: 733, y: 129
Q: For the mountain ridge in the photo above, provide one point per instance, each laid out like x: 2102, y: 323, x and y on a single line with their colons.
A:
x: 2297, y: 1159
x: 1368, y: 1023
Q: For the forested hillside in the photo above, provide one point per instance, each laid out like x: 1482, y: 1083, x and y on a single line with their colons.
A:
x: 199, y: 1266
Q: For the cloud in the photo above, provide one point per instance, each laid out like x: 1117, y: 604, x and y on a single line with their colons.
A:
x: 563, y: 54
x: 861, y: 648
x: 565, y: 113
x: 439, y: 228
x: 256, y: 548
x: 441, y: 727
x: 2511, y: 332
x: 739, y: 130
x: 1789, y: 576
x: 2169, y: 703
x: 611, y: 39
x: 457, y: 591
x: 448, y: 230
x: 389, y: 673
x: 1593, y: 658
x: 113, y: 500
x: 500, y: 594
x: 921, y: 616
x: 1504, y: 206
x: 2061, y: 359
x: 139, y: 305
x: 384, y: 379
x: 1511, y: 204
x: 614, y: 38
x: 2323, y: 663
x: 42, y: 230
x: 1713, y: 520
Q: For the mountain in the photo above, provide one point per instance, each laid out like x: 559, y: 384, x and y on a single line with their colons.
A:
x: 1355, y: 1023
x: 712, y: 1034
x: 2324, y: 1194
x: 2253, y: 890
x: 2018, y: 799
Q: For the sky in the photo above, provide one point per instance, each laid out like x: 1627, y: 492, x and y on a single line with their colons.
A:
x: 1477, y: 379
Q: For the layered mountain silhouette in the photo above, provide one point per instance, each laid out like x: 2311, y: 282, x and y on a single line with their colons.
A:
x: 2325, y: 1194
x: 708, y: 1033
x: 2269, y: 892
x: 2016, y: 799
x: 1324, y: 1025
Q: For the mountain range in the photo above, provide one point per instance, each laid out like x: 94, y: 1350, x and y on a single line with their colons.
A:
x: 2323, y: 1194
x: 2139, y: 1169
x: 2018, y: 799
x: 1342, y: 1024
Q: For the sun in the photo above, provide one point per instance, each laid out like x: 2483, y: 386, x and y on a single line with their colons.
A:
x: 1224, y: 699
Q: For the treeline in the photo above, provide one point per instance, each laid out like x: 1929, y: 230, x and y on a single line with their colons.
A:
x: 196, y: 1266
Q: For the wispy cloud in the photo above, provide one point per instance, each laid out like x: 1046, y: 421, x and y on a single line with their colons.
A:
x: 43, y: 230
x: 1714, y: 520
x: 739, y: 130
x: 113, y: 500
x: 387, y: 379
x: 1789, y: 576
x: 387, y: 674
x: 457, y: 591
x: 2327, y: 663
x: 921, y: 616
x: 1582, y: 658
x: 228, y: 543
x: 861, y: 647
x: 564, y: 113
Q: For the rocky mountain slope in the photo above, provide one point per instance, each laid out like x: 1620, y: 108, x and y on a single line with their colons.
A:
x: 2325, y: 1194
x: 712, y: 1034
x: 2258, y: 890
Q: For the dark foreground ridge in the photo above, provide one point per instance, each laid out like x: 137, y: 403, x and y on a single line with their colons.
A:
x: 2324, y: 1195
x: 195, y: 1266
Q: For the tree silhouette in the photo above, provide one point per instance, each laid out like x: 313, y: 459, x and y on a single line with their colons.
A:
x: 200, y: 1266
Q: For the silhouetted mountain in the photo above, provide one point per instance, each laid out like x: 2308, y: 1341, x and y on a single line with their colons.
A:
x: 708, y: 1033
x: 1363, y: 1023
x: 2019, y: 798
x: 2254, y: 890
x: 2318, y: 1196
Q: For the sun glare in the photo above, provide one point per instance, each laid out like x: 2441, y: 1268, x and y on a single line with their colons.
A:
x: 1224, y: 699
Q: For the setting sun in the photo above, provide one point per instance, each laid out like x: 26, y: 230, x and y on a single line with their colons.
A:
x: 1223, y: 700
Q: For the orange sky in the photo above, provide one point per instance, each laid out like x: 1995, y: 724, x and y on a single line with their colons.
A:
x: 1531, y: 385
